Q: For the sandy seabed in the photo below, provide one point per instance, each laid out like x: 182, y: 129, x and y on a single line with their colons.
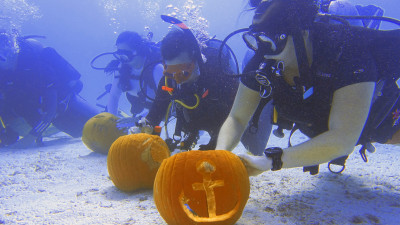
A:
x: 66, y: 183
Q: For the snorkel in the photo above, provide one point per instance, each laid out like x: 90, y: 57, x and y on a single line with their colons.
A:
x: 119, y: 55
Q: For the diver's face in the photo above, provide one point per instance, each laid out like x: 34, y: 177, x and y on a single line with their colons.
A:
x: 182, y: 68
x: 132, y: 58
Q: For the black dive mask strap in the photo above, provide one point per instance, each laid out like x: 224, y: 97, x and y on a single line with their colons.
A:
x: 302, y: 61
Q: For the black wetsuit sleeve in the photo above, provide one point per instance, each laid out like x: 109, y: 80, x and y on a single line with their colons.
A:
x: 160, y: 105
x: 249, y: 80
x: 48, y: 111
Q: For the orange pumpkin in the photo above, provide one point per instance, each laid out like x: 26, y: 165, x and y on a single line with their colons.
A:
x: 100, y: 132
x: 201, y: 187
x: 133, y: 160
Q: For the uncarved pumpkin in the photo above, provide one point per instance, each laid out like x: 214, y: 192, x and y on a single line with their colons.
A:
x: 201, y: 187
x: 133, y: 160
x: 100, y: 132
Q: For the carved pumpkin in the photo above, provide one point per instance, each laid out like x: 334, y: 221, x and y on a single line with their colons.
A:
x: 201, y: 187
x: 133, y: 160
x: 100, y: 132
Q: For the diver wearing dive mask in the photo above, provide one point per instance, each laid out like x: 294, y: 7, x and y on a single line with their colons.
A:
x: 137, y: 69
x: 124, y: 55
x: 324, y: 87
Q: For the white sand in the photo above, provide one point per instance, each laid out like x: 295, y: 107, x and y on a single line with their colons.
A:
x: 65, y: 183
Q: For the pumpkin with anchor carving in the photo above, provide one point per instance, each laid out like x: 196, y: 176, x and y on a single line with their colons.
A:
x: 201, y: 187
x: 133, y: 160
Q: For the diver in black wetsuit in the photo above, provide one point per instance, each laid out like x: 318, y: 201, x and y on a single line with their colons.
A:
x: 136, y: 58
x: 338, y: 84
x: 199, y: 90
x: 40, y: 86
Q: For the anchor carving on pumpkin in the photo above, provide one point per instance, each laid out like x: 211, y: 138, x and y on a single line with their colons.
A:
x: 208, y: 185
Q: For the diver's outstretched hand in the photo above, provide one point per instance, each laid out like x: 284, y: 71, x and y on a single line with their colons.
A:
x: 141, y: 126
x: 126, y: 123
x: 255, y: 165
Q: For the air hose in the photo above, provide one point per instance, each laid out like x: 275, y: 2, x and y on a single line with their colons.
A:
x: 179, y: 102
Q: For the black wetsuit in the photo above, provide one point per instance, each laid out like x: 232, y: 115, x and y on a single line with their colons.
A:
x: 42, y: 89
x: 340, y: 58
x: 216, y: 91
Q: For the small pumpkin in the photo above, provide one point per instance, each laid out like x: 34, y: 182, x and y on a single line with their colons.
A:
x: 100, y: 132
x: 133, y: 160
x: 201, y: 187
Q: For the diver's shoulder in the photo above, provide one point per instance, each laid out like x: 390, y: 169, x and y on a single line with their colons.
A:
x: 339, y: 36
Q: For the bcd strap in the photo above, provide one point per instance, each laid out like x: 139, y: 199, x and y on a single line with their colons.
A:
x: 341, y: 161
x: 366, y: 147
x: 253, y: 126
x: 302, y: 61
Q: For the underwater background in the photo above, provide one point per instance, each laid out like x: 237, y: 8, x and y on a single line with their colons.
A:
x: 66, y: 183
x: 81, y: 29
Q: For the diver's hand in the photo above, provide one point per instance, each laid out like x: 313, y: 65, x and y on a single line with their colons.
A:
x: 142, y: 126
x: 255, y: 165
x: 127, y: 122
x: 26, y: 142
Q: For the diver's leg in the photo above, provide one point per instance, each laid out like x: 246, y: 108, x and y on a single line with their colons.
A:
x: 74, y: 118
x: 256, y: 142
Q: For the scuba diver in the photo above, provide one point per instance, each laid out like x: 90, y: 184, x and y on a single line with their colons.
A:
x: 194, y: 85
x: 40, y: 86
x: 260, y: 124
x: 137, y: 70
x: 336, y: 83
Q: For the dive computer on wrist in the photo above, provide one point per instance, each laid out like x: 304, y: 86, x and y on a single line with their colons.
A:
x: 275, y: 154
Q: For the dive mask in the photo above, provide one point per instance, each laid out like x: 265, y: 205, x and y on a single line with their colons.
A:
x: 124, y: 55
x: 269, y: 44
x: 179, y: 72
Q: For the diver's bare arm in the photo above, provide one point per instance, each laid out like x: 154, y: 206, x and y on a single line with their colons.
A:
x: 243, y: 108
x: 349, y: 112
